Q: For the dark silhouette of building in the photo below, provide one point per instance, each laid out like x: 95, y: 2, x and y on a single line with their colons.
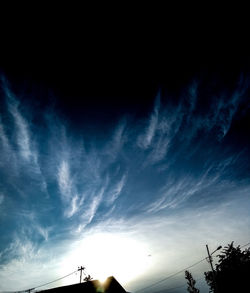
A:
x: 109, y: 286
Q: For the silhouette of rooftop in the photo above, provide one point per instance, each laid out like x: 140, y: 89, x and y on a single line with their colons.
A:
x: 111, y: 285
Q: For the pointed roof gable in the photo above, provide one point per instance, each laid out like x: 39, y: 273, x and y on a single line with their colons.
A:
x: 109, y: 286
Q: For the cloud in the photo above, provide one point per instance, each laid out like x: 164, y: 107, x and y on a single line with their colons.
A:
x: 119, y: 137
x: 41, y: 263
x: 23, y: 137
x: 44, y: 232
x: 64, y: 180
x: 68, y: 191
x: 94, y: 205
x: 164, y: 124
x: 214, y: 177
x: 93, y: 164
x: 21, y: 247
x: 74, y: 207
x: 1, y: 198
x: 179, y: 124
x: 91, y: 209
x: 4, y: 138
x: 170, y: 236
x: 31, y: 227
x: 7, y: 151
x: 220, y: 111
x: 145, y: 140
x: 169, y: 239
x: 174, y: 194
x: 163, y: 184
x: 159, y: 151
x: 18, y: 141
x: 116, y: 189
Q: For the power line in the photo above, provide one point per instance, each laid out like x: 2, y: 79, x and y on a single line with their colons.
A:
x: 28, y: 290
x: 170, y: 276
x: 245, y: 245
x: 173, y: 288
x: 147, y: 287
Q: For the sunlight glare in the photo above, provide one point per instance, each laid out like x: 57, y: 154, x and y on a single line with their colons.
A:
x: 106, y: 254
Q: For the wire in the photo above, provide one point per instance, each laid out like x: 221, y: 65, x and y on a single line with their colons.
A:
x: 245, y: 245
x: 170, y: 276
x: 173, y: 288
x: 147, y: 287
x: 49, y: 282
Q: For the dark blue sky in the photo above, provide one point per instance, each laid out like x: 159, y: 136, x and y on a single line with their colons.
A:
x: 127, y: 166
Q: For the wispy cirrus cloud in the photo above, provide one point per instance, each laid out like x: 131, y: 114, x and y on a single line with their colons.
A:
x: 170, y: 236
x: 31, y: 227
x: 163, y: 126
x: 19, y: 143
x: 224, y: 107
x: 64, y: 180
x: 22, y: 130
x: 186, y: 119
x: 174, y: 193
x: 115, y: 145
x: 23, y: 255
x: 215, y: 176
x: 116, y: 189
x: 43, y: 231
x: 157, y: 179
x: 4, y: 138
x: 1, y: 198
x: 74, y: 207
x: 95, y: 202
x: 144, y: 140
x: 68, y: 191
x: 90, y: 209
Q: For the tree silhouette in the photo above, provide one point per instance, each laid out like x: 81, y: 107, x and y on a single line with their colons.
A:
x: 191, y: 283
x: 231, y: 272
x: 88, y: 278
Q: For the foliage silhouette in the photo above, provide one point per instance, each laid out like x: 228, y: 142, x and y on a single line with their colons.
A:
x: 191, y: 283
x: 88, y: 278
x: 231, y: 271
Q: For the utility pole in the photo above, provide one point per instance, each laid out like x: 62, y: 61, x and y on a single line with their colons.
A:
x: 211, y: 264
x: 81, y: 269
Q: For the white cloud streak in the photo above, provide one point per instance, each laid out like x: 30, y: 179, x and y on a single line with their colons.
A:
x: 75, y: 205
x: 23, y: 137
x: 179, y: 191
x: 94, y: 205
x: 117, y: 189
x: 115, y: 145
x: 4, y: 138
x: 44, y: 232
x: 68, y: 191
x: 145, y: 140
x: 84, y: 187
x: 64, y: 180
x: 91, y: 209
x: 1, y: 198
x: 32, y: 263
x: 167, y: 123
x: 170, y: 237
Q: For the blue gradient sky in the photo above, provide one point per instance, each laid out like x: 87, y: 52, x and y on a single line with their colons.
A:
x: 125, y: 186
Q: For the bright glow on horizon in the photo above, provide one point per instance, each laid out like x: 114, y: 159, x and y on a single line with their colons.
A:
x: 106, y: 254
x: 103, y: 280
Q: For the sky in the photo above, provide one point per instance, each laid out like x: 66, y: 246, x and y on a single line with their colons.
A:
x: 129, y: 173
